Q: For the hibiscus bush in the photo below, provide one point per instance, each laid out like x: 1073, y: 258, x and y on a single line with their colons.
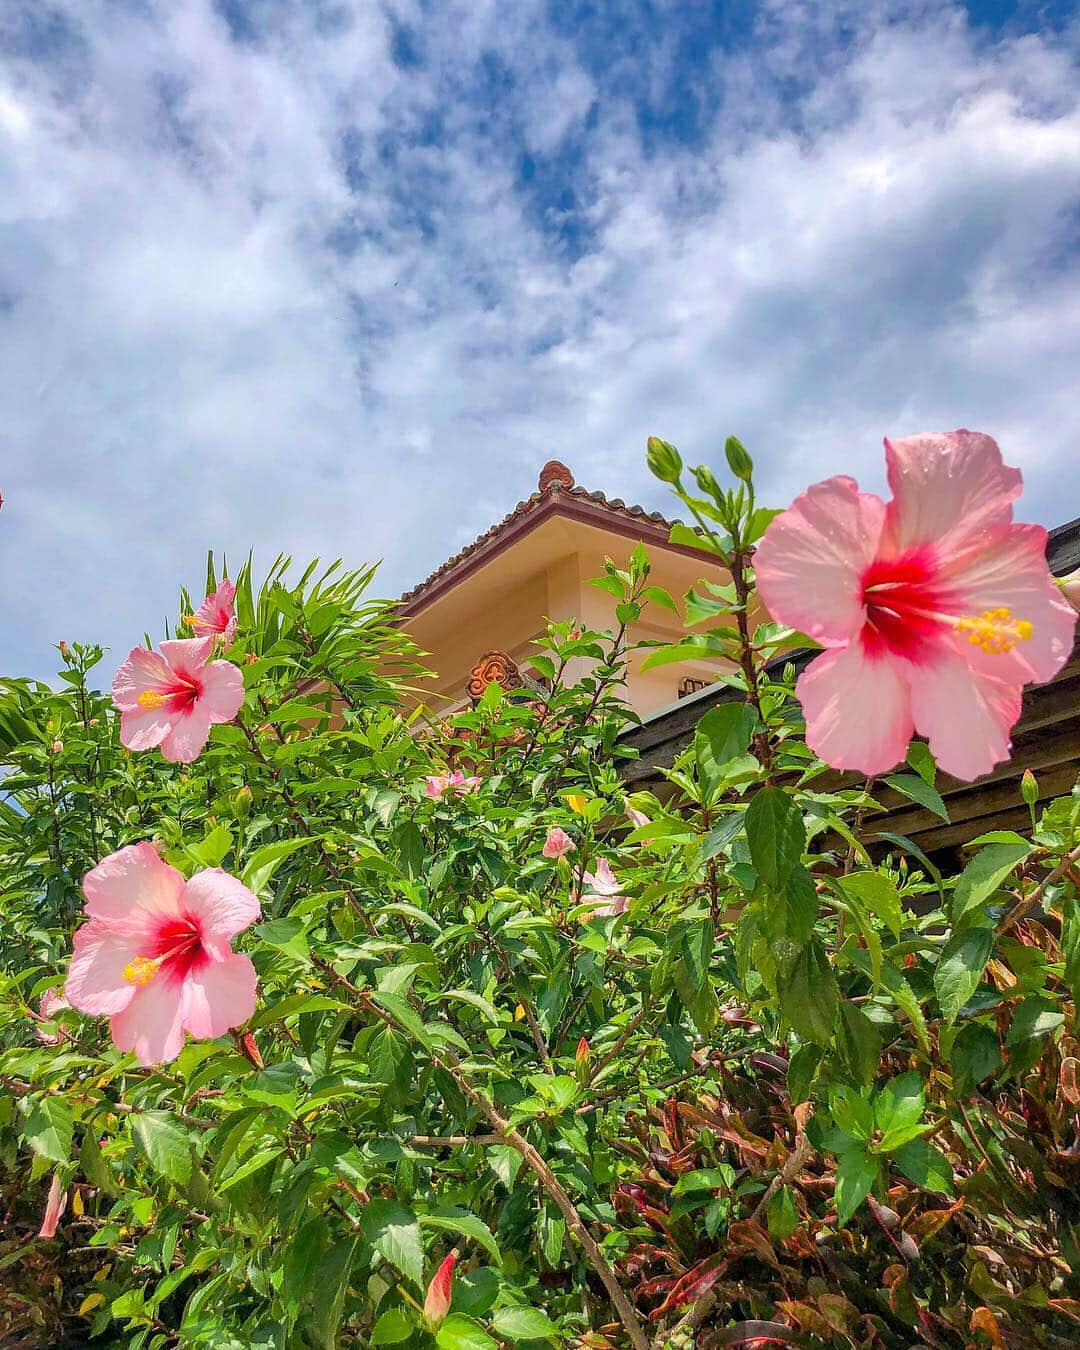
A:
x: 326, y: 1020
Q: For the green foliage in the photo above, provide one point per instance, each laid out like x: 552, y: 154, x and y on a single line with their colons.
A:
x: 785, y: 984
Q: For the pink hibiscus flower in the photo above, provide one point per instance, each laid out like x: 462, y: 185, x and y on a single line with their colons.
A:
x: 156, y: 957
x: 171, y: 700
x: 439, y: 784
x: 216, y: 615
x: 936, y: 608
x: 602, y: 887
x: 557, y: 843
x: 52, y: 1001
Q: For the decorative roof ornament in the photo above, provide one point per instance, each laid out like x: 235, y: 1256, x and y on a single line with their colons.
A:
x: 555, y: 474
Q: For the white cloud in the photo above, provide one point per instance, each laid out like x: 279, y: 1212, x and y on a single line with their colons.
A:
x: 277, y: 290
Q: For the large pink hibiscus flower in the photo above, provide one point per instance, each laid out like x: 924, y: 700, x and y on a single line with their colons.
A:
x: 936, y: 608
x: 156, y: 957
x: 172, y: 699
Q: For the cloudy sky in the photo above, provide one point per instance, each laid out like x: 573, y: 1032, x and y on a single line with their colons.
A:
x: 337, y: 276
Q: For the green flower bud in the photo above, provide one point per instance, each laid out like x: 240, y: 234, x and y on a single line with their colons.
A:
x: 1029, y: 788
x: 739, y: 462
x: 706, y: 481
x: 242, y: 802
x: 664, y: 460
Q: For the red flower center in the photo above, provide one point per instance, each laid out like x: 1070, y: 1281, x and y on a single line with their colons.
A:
x: 905, y: 606
x: 176, y: 949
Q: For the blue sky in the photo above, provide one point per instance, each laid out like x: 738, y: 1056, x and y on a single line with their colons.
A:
x: 336, y: 277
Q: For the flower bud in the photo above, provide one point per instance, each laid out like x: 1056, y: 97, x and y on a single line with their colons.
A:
x: 739, y: 462
x: 664, y: 460
x: 57, y: 747
x: 249, y: 1048
x: 582, y: 1061
x: 1070, y: 588
x: 440, y: 1292
x: 54, y: 1208
x: 1029, y: 788
x: 706, y: 480
x: 242, y: 802
x: 64, y: 649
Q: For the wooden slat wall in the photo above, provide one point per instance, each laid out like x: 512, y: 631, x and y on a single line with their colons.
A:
x: 1046, y: 740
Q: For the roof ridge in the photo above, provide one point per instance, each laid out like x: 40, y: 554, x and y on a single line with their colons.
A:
x: 555, y: 481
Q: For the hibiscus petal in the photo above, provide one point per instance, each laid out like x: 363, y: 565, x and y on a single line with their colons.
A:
x: 95, y: 980
x: 219, y: 996
x: 132, y: 890
x: 187, y: 656
x: 223, y: 906
x: 949, y: 488
x: 810, y: 563
x: 151, y: 1024
x: 965, y: 714
x: 222, y: 690
x: 188, y: 734
x: 145, y: 728
x: 143, y: 670
x: 1013, y: 574
x: 857, y: 708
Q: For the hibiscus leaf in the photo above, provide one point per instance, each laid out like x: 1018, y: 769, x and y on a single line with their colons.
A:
x: 915, y: 787
x: 462, y: 1333
x: 165, y: 1143
x: 983, y: 875
x: 856, y: 1173
x: 48, y: 1128
x: 524, y: 1324
x: 394, y: 1232
x: 960, y: 967
x: 265, y: 861
x: 776, y: 835
x: 454, y: 1220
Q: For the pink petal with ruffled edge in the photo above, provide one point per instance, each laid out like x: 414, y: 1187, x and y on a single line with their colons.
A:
x: 95, y: 981
x: 152, y: 1023
x: 810, y: 564
x: 223, y: 907
x: 965, y: 715
x: 857, y: 709
x: 1013, y: 574
x: 132, y: 890
x: 220, y: 996
x: 188, y: 734
x: 949, y: 488
x: 222, y: 690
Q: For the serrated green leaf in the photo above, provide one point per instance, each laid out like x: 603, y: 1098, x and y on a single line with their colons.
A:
x: 776, y: 835
x: 165, y: 1143
x: 48, y: 1128
x: 959, y: 969
x: 455, y: 1220
x: 394, y: 1232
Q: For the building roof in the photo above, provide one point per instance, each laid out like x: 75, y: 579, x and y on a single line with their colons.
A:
x: 556, y: 494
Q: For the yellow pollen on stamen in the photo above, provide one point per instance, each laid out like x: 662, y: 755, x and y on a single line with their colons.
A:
x: 149, y: 699
x: 187, y: 618
x: 995, y: 630
x: 141, y: 971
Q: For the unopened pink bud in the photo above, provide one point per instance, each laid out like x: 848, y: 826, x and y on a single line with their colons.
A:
x: 440, y: 1292
x: 54, y: 1208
